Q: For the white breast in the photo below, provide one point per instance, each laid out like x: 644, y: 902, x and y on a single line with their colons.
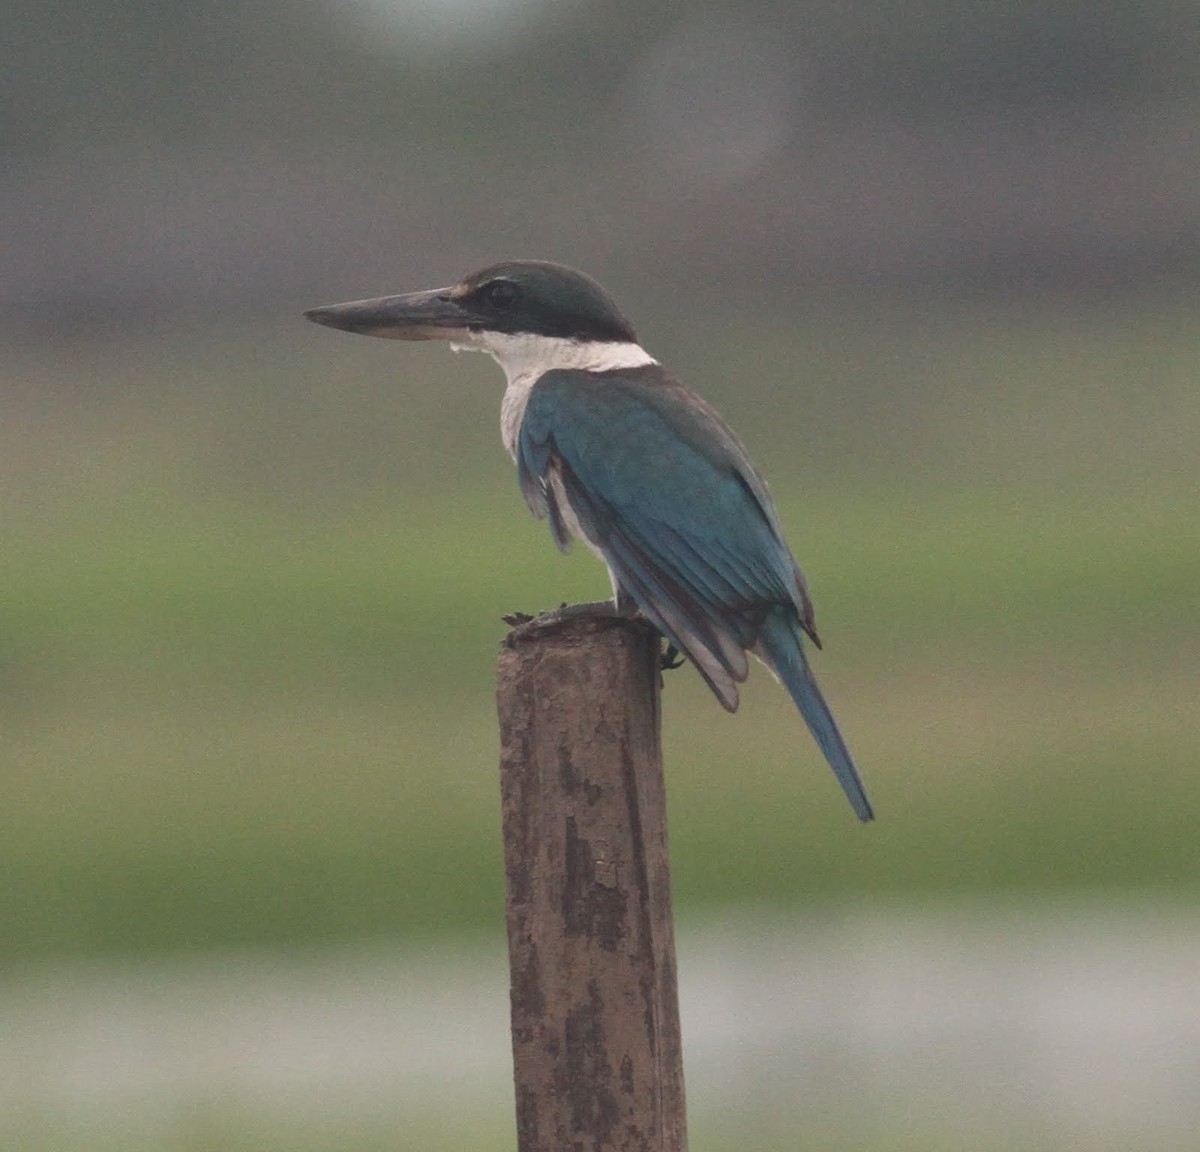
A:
x: 512, y: 408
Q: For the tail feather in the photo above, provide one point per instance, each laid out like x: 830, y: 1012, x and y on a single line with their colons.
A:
x: 781, y: 646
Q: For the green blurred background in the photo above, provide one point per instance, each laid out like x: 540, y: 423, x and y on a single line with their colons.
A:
x: 938, y: 266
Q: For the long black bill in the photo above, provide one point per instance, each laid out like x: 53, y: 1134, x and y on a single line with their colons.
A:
x: 434, y: 315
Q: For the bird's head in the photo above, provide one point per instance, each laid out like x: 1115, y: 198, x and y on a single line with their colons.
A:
x: 515, y: 298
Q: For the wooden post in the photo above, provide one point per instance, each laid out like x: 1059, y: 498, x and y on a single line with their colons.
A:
x: 597, y: 1059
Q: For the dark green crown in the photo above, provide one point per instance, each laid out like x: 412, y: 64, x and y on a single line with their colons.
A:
x: 543, y: 299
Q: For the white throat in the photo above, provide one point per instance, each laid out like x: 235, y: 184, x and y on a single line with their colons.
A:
x: 525, y: 357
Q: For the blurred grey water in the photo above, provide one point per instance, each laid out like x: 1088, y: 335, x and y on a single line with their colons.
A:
x: 1074, y: 1023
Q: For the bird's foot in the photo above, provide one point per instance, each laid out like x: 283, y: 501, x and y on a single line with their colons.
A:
x: 671, y: 659
x: 522, y: 623
x: 590, y: 608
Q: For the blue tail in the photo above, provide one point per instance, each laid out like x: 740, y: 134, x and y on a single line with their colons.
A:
x: 781, y: 644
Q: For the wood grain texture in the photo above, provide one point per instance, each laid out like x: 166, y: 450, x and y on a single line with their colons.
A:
x: 597, y: 1058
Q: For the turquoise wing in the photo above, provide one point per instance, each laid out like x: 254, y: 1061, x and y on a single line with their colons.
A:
x: 664, y: 491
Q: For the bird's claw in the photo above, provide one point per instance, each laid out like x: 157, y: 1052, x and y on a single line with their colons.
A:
x: 671, y: 659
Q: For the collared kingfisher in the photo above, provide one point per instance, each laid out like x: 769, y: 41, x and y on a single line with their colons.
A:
x: 613, y: 449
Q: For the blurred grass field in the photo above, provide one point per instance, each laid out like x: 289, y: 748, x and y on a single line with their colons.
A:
x: 250, y: 597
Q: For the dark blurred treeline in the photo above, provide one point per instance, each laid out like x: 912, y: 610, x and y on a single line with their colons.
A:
x: 170, y: 157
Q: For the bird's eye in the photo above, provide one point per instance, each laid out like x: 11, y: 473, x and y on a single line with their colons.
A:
x: 499, y: 294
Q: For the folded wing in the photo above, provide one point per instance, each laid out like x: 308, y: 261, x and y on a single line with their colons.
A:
x: 661, y: 487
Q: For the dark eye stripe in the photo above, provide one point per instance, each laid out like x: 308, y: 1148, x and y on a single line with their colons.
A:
x: 499, y: 294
